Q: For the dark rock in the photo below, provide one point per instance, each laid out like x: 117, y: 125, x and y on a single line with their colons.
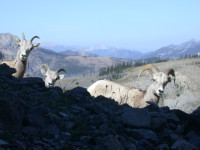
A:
x: 80, y: 90
x: 180, y: 130
x: 131, y: 146
x: 109, y: 142
x: 174, y: 137
x: 65, y: 135
x: 158, y: 121
x: 20, y: 145
x: 11, y: 112
x: 165, y: 109
x: 144, y: 144
x: 144, y: 134
x: 3, y: 143
x: 196, y: 112
x: 163, y: 147
x: 33, y: 82
x: 136, y: 117
x: 171, y: 117
x: 38, y: 116
x: 195, y: 141
x: 29, y: 131
x: 191, y: 135
x: 183, y: 117
x: 153, y: 107
x: 183, y: 145
x: 35, y: 117
x: 64, y: 115
x: 51, y: 130
x: 69, y: 125
x: 6, y: 70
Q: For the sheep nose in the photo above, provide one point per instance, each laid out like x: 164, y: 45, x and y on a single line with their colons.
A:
x: 50, y: 84
x: 23, y: 56
x: 160, y: 91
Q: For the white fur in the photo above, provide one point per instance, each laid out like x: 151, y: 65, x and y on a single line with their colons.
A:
x: 133, y: 96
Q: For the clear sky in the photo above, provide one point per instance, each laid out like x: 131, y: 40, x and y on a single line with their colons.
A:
x: 135, y: 24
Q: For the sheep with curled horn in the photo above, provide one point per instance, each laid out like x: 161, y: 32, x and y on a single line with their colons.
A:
x: 20, y: 62
x: 51, y: 76
x: 135, y: 97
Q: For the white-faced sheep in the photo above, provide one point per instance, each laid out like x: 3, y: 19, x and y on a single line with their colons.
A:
x: 51, y: 76
x: 20, y: 62
x: 133, y: 96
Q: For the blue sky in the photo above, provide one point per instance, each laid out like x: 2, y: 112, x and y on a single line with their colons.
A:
x: 133, y: 24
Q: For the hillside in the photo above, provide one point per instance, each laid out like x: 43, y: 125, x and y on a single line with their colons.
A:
x: 33, y: 117
x: 73, y: 65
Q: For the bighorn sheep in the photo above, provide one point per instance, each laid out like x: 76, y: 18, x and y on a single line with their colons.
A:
x: 20, y: 62
x: 133, y: 96
x: 51, y: 76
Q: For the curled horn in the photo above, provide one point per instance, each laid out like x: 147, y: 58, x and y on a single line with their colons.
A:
x: 170, y: 71
x: 23, y: 37
x: 59, y: 70
x: 34, y: 38
x: 46, y: 66
x: 148, y: 67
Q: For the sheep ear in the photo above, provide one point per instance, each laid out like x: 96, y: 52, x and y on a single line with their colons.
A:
x: 61, y: 76
x: 17, y: 40
x: 149, y: 74
x: 36, y: 45
x: 43, y: 72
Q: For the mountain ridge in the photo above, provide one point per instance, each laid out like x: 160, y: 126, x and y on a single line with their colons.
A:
x: 169, y: 51
x: 8, y: 50
x: 190, y: 47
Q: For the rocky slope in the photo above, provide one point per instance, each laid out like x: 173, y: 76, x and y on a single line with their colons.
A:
x: 34, y: 117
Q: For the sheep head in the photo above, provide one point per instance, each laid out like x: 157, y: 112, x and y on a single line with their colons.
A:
x: 25, y: 46
x: 159, y: 79
x: 51, y: 76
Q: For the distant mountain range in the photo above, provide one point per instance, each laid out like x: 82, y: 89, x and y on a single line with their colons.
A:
x: 100, y: 51
x: 78, y: 53
x: 77, y: 60
x: 79, y: 63
x: 190, y: 47
x: 114, y: 52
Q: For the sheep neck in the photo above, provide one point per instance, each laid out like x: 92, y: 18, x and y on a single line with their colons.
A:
x: 150, y: 95
x: 20, y: 67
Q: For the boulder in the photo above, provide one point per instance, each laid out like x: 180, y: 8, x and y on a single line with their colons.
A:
x: 11, y: 112
x: 136, y: 117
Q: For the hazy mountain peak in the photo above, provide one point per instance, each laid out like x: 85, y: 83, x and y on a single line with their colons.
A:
x: 99, y: 47
x: 193, y: 40
x: 188, y: 44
